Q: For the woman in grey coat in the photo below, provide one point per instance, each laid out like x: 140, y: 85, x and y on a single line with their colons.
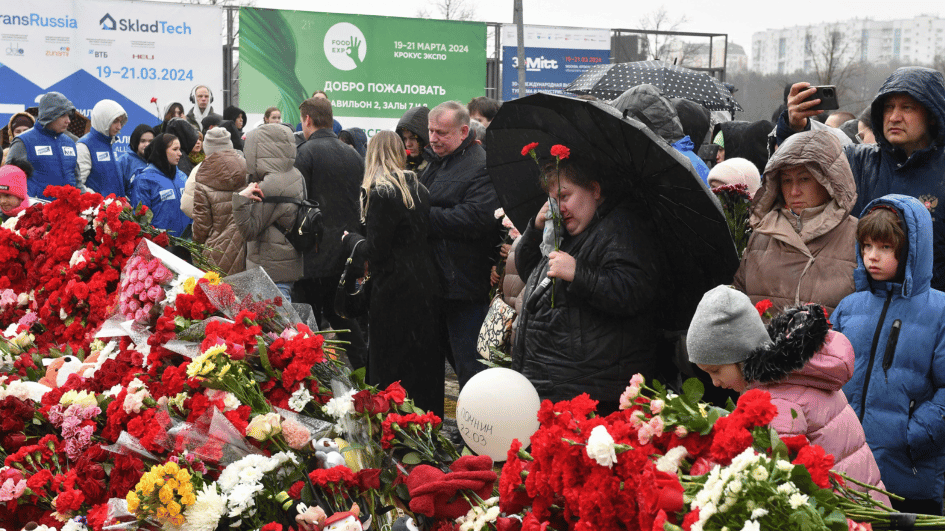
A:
x: 270, y: 160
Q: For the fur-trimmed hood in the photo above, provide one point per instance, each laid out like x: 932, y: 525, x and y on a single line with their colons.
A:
x: 797, y: 354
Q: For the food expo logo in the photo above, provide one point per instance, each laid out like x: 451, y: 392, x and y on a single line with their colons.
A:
x: 345, y: 46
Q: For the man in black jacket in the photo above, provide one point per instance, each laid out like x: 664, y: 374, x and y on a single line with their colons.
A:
x: 463, y: 231
x: 333, y: 173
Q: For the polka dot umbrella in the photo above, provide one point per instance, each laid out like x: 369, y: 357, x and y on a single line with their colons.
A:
x: 609, y: 81
x: 697, y: 252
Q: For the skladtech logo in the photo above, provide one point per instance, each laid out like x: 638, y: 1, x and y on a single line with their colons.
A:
x: 345, y: 46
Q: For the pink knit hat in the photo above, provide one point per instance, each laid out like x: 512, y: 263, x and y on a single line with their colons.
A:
x: 13, y: 182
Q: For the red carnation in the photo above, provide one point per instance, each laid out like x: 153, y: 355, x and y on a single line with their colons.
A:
x: 763, y: 306
x: 153, y: 100
x: 528, y: 148
x: 560, y: 151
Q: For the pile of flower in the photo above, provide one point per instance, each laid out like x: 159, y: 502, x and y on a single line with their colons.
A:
x: 216, y: 409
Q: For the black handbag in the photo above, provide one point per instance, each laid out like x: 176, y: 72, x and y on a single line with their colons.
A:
x: 352, y: 296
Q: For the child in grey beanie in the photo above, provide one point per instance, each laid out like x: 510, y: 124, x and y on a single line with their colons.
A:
x: 724, y: 331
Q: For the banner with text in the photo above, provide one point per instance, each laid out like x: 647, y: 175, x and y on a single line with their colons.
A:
x: 144, y: 55
x: 372, y: 68
x: 554, y: 57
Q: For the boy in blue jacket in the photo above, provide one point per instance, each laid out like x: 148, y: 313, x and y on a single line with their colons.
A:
x: 896, y: 323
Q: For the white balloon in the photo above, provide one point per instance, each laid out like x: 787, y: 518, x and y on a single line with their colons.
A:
x: 496, y: 406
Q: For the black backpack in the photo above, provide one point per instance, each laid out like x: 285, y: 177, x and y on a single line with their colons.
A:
x: 306, y: 233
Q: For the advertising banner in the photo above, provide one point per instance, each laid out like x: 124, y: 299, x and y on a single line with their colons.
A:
x: 90, y: 50
x: 554, y: 57
x: 372, y: 68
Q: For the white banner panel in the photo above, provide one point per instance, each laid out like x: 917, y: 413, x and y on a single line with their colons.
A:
x: 90, y: 50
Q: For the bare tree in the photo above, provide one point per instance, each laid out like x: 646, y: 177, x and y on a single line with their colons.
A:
x: 833, y: 57
x: 449, y: 10
x: 660, y: 20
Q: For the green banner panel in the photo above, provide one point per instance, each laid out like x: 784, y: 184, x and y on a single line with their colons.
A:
x: 370, y: 67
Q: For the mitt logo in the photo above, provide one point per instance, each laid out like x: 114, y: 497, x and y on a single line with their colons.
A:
x: 44, y: 150
x: 345, y: 46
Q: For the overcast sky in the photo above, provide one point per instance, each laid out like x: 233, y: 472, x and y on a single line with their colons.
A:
x: 738, y: 18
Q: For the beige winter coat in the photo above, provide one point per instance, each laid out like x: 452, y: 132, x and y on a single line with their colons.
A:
x: 808, y: 258
x: 219, y: 176
x: 270, y: 160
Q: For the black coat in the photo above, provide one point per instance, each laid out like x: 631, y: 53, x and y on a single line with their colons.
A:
x: 747, y: 140
x: 601, y: 330
x: 463, y: 229
x: 404, y: 287
x: 333, y: 173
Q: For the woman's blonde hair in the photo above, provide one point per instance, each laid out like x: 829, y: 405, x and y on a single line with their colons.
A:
x: 384, y: 169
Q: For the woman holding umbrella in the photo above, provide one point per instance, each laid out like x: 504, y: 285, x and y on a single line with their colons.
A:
x: 587, y: 322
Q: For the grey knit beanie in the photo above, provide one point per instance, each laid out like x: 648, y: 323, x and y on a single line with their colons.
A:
x: 217, y: 139
x: 725, y: 329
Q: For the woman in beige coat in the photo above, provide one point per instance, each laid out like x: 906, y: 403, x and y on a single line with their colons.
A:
x: 803, y: 245
x: 219, y: 176
x: 270, y: 160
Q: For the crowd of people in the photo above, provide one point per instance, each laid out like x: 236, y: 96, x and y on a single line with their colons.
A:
x: 847, y: 244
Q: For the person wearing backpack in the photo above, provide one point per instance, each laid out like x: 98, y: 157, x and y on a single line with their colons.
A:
x: 270, y: 160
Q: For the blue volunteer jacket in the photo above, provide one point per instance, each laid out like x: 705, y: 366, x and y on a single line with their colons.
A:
x: 898, y: 384
x: 128, y: 163
x: 105, y: 177
x: 162, y: 195
x: 53, y: 158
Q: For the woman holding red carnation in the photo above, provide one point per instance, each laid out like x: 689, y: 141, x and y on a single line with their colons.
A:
x: 798, y: 360
x: 587, y: 323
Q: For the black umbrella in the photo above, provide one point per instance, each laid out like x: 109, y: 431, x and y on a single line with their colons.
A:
x: 609, y: 81
x: 698, y: 252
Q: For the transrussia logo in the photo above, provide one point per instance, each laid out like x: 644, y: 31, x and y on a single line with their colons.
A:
x: 345, y: 46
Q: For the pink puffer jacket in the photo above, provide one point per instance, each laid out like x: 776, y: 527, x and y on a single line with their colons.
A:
x: 822, y: 411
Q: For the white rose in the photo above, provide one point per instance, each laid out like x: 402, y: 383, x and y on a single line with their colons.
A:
x: 751, y: 525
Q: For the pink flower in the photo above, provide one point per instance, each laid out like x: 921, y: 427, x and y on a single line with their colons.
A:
x: 626, y: 399
x: 681, y: 431
x: 148, y: 282
x: 162, y: 274
x: 153, y: 265
x: 295, y: 434
x: 645, y: 434
x: 156, y: 293
x: 657, y: 424
x: 656, y: 407
x: 637, y: 380
x: 141, y: 315
x: 636, y: 418
x: 499, y: 213
x: 8, y: 297
x: 11, y: 490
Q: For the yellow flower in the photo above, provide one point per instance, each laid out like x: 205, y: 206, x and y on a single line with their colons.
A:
x: 212, y: 277
x: 147, y: 487
x: 189, y: 285
x: 183, y: 476
x: 133, y: 501
x: 178, y: 520
x: 166, y: 495
x: 174, y: 508
x: 223, y: 370
x: 162, y: 513
x: 172, y: 483
x: 171, y: 469
x: 703, y: 412
x: 188, y: 498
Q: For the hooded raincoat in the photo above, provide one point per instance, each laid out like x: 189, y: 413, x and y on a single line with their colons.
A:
x: 898, y: 387
x: 416, y: 121
x: 794, y: 259
x: 99, y: 170
x: 270, y: 158
x: 130, y: 162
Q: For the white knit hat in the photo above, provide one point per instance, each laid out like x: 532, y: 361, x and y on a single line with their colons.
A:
x: 217, y: 139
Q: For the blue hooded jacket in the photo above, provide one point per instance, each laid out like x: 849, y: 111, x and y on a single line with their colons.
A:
x: 898, y: 384
x: 162, y: 195
x: 881, y: 168
x: 685, y: 146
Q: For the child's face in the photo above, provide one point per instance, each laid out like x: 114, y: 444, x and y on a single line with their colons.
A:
x: 9, y: 202
x: 879, y: 259
x: 728, y: 376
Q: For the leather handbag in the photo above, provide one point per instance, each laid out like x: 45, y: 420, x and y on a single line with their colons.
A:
x: 352, y: 296
x: 496, y: 330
